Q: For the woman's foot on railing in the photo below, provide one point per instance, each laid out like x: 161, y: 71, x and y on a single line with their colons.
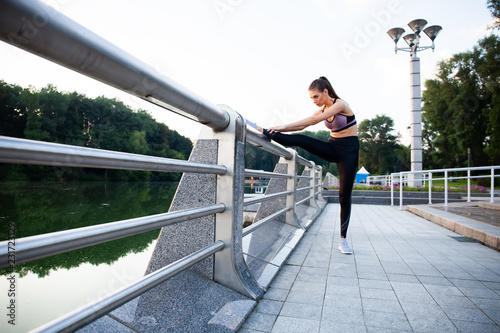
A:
x: 267, y: 133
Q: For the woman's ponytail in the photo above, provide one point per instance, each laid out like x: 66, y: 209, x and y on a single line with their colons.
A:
x: 321, y: 84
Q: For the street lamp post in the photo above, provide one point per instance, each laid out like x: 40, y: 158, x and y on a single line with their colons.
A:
x: 413, y: 41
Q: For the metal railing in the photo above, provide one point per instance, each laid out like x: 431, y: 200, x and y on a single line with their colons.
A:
x: 404, y: 178
x: 67, y: 43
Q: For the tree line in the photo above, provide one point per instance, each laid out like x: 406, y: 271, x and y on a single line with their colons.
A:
x: 72, y: 118
x: 460, y: 114
x: 460, y: 124
x: 461, y: 110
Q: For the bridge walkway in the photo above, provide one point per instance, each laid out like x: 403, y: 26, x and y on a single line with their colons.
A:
x: 406, y: 275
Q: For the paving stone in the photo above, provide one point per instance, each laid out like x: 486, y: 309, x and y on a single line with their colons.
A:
x: 429, y: 324
x: 403, y: 278
x: 481, y: 293
x: 378, y: 293
x: 407, y: 286
x: 434, y: 280
x: 411, y: 297
x: 405, y: 275
x: 393, y: 321
x: 469, y: 314
x: 276, y: 294
x: 382, y: 305
x: 423, y: 309
x: 345, y: 315
x: 260, y: 321
x: 471, y: 326
x: 450, y: 300
x: 486, y: 303
x: 300, y: 310
x: 268, y: 306
x: 375, y: 284
x: 336, y: 301
x: 296, y: 325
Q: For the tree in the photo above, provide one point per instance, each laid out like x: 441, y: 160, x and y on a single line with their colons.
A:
x: 12, y: 110
x: 494, y: 7
x: 461, y: 110
x: 378, y: 145
x: 71, y: 118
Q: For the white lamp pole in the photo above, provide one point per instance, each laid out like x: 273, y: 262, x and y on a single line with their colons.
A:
x: 413, y: 41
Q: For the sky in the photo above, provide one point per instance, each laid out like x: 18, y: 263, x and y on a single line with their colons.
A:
x: 259, y: 57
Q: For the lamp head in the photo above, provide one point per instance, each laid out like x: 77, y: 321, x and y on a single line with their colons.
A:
x: 396, y: 33
x: 410, y: 39
x: 417, y: 25
x: 433, y: 31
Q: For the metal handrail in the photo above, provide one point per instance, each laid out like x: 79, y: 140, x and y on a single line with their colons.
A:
x: 260, y: 140
x: 304, y: 200
x: 304, y: 188
x: 70, y: 44
x: 41, y: 246
x: 446, y: 178
x: 63, y: 41
x: 14, y: 150
x: 265, y: 174
x: 251, y: 201
x: 83, y: 316
x: 304, y: 162
x: 251, y: 228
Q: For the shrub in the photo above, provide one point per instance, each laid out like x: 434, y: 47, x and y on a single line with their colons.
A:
x: 486, y: 182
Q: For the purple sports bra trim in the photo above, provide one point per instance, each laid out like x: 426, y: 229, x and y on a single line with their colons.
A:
x: 340, y: 122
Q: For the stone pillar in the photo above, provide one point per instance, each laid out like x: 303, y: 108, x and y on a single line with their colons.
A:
x: 416, y: 122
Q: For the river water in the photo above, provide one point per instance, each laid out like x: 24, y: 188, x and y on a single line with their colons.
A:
x: 48, y: 288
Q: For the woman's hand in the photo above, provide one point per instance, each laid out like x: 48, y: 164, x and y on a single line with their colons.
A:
x: 276, y: 129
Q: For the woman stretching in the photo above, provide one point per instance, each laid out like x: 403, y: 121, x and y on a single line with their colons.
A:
x: 342, y: 147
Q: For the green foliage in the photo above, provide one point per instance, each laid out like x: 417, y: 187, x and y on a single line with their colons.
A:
x: 38, y: 208
x: 485, y: 182
x: 72, y: 118
x: 379, y: 150
x: 462, y: 110
x: 258, y: 159
x: 494, y: 7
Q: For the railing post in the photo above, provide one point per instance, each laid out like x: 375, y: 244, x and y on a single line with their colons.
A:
x: 392, y: 189
x: 430, y: 188
x: 312, y: 182
x: 230, y: 268
x: 318, y: 180
x: 291, y: 185
x: 446, y: 188
x: 468, y: 185
x: 492, y: 190
x: 401, y: 184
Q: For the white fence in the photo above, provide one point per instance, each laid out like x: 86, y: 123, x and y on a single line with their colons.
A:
x: 429, y: 176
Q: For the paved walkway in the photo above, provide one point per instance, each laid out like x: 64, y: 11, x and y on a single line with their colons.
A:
x: 406, y: 275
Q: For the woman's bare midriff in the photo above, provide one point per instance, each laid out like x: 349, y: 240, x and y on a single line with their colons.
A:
x: 351, y: 131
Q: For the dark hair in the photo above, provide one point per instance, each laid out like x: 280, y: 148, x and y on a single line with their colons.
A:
x: 321, y: 84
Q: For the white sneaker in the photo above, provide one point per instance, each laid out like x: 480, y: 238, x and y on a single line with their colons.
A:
x: 344, y: 247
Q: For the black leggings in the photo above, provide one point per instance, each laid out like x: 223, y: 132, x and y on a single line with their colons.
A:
x: 343, y: 151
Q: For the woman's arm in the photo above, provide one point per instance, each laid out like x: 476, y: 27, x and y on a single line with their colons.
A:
x: 315, y: 118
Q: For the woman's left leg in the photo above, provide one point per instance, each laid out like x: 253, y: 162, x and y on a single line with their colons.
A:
x: 348, y: 165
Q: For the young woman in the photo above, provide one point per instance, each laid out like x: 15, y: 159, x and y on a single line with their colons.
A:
x: 342, y: 147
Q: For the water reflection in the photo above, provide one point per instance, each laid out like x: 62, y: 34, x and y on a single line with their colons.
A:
x: 51, y: 287
x: 38, y: 208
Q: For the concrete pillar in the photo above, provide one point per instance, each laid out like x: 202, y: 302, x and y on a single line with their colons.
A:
x: 416, y: 122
